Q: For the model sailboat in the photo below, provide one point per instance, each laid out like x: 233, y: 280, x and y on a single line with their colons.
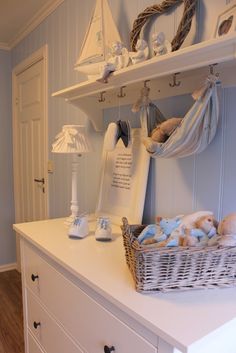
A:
x: 101, y: 34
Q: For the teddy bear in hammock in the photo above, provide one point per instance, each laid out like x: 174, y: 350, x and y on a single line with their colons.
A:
x: 161, y: 133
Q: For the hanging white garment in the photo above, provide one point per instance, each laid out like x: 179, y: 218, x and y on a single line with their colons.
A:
x: 197, y: 128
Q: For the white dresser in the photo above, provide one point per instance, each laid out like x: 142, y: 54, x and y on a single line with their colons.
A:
x: 79, y: 297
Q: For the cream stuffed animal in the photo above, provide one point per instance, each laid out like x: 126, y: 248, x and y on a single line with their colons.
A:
x: 165, y: 129
x: 202, y: 230
x: 161, y: 133
x: 227, y: 230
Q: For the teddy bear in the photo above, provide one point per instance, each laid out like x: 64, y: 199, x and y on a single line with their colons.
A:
x: 227, y: 230
x: 161, y: 133
x: 165, y: 129
x: 203, y: 230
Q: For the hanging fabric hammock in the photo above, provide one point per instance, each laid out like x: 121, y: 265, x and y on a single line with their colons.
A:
x: 196, y: 130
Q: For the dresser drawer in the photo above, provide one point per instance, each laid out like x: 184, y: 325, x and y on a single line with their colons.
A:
x: 87, y: 321
x: 33, y: 346
x: 48, y: 333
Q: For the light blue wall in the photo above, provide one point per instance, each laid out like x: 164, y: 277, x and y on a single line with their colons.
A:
x: 175, y: 186
x: 7, y: 239
x: 63, y: 32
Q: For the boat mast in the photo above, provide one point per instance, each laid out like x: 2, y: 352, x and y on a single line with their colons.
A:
x: 103, y: 29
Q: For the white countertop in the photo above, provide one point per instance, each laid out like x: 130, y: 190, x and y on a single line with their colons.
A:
x: 182, y: 319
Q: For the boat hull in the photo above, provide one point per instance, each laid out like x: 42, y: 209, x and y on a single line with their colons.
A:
x: 93, y: 70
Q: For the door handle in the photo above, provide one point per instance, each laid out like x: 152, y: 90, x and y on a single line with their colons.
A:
x: 40, y: 181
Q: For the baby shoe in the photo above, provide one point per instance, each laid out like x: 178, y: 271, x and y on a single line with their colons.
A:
x: 103, y: 230
x: 79, y: 228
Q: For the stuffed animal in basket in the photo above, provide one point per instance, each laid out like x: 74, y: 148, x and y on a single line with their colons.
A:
x: 190, y: 230
x: 158, y: 233
x: 185, y: 233
x: 203, y: 230
x: 161, y: 133
x: 227, y: 230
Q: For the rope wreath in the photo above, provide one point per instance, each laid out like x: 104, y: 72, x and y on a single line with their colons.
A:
x: 165, y: 6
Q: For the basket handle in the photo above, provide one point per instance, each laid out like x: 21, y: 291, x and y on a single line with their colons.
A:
x: 125, y: 225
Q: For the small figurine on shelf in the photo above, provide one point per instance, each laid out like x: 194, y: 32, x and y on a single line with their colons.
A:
x: 141, y: 53
x: 117, y: 59
x: 160, y: 44
x: 106, y: 71
x: 119, y: 56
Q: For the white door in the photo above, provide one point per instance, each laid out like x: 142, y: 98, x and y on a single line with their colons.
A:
x: 30, y: 143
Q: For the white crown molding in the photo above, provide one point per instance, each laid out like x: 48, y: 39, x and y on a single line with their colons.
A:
x: 43, y: 13
x: 4, y: 46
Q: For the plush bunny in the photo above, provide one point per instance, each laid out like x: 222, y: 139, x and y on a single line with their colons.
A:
x: 158, y: 233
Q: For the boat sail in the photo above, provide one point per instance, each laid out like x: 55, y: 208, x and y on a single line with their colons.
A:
x: 100, y: 36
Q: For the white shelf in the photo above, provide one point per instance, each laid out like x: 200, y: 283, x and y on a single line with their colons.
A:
x: 190, y: 62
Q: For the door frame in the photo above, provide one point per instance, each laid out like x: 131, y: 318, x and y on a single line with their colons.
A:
x: 40, y: 54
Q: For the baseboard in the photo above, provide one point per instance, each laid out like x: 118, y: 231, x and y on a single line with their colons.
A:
x: 8, y: 267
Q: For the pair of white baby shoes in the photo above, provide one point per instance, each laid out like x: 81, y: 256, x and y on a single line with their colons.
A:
x: 80, y: 228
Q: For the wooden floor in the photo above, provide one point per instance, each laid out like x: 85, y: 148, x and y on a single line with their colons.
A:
x: 11, y: 313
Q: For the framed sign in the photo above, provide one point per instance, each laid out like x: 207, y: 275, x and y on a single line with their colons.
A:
x: 226, y: 21
x: 123, y: 181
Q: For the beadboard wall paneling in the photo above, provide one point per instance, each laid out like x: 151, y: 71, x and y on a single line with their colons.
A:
x: 174, y: 186
x: 7, y: 239
x: 228, y: 165
x: 64, y: 31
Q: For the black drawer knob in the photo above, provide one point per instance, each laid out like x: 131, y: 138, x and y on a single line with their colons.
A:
x: 108, y: 349
x: 34, y: 277
x: 36, y: 324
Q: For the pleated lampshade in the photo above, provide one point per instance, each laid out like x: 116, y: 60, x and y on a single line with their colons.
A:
x: 72, y: 139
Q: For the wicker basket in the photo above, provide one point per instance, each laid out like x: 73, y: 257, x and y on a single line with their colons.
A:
x: 161, y: 269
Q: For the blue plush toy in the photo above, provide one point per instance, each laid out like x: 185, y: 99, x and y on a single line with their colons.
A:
x: 155, y: 233
x: 151, y: 234
x: 169, y: 224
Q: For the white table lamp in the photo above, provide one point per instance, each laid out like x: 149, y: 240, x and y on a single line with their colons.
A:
x: 72, y: 139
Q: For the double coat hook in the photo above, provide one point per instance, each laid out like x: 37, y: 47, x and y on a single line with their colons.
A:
x: 212, y: 71
x: 175, y: 83
x: 121, y: 94
x: 102, y: 99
